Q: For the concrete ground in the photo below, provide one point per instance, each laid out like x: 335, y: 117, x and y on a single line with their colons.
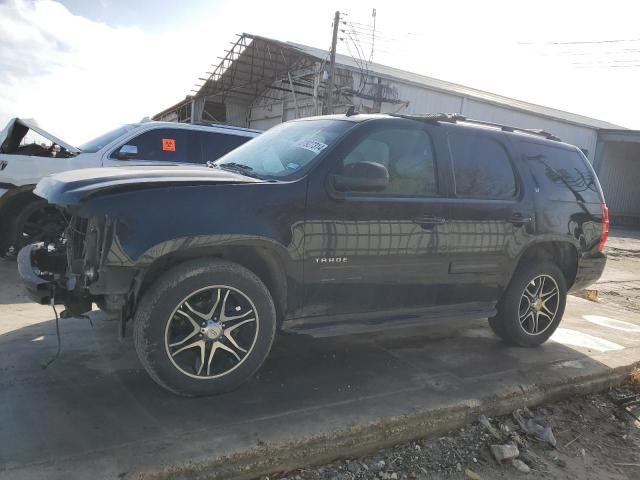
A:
x: 620, y: 284
x: 94, y: 413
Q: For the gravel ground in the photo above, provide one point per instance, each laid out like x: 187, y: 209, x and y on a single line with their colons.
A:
x: 595, y: 439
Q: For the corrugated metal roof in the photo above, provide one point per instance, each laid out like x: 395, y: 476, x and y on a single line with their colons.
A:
x: 454, y: 88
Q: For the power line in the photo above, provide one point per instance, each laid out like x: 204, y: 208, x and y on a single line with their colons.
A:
x: 608, y: 66
x: 582, y: 42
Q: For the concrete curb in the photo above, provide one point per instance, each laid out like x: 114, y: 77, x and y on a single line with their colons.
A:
x: 366, y: 438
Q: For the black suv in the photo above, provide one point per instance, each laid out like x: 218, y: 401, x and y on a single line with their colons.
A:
x: 325, y: 226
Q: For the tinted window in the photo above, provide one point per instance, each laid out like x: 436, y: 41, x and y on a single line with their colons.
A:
x: 215, y: 145
x: 481, y: 167
x: 168, y: 145
x: 561, y: 173
x: 408, y: 156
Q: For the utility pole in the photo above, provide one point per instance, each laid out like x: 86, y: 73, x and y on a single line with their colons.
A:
x: 373, y: 36
x: 332, y: 64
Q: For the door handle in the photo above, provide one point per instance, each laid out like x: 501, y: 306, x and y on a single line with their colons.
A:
x: 519, y: 219
x: 429, y: 221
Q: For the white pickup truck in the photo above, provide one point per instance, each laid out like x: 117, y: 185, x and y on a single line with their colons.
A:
x: 28, y: 153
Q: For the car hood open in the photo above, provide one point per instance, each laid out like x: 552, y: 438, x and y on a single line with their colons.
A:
x: 71, y: 187
x: 19, y: 126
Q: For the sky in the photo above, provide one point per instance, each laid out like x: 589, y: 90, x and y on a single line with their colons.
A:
x: 82, y: 67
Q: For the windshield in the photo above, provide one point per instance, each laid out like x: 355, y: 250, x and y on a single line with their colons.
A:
x: 96, y: 144
x: 285, y: 149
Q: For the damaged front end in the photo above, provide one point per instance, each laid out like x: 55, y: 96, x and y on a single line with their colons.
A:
x: 13, y: 141
x: 72, y: 273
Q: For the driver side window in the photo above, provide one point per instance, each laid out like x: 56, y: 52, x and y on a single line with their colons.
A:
x: 408, y: 156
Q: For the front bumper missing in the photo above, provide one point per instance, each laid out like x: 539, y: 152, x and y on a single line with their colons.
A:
x: 39, y: 289
x: 42, y: 275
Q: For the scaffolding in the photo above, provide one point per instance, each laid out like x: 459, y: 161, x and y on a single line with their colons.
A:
x: 257, y: 71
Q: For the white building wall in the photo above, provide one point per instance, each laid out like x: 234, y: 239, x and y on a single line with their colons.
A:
x: 582, y: 137
x: 266, y: 113
x: 423, y: 100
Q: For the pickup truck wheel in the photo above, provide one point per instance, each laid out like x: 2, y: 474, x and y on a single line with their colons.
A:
x: 204, y: 327
x: 37, y: 222
x: 532, y: 306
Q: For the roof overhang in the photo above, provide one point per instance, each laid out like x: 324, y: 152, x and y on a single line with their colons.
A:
x: 253, y: 64
x: 619, y: 135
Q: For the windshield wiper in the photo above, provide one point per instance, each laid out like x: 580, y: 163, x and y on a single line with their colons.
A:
x: 233, y: 166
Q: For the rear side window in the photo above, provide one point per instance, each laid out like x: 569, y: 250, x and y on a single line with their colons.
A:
x: 215, y: 145
x: 168, y: 145
x: 561, y: 174
x: 481, y: 167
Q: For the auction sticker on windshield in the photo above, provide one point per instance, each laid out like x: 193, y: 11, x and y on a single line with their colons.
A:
x: 311, y: 145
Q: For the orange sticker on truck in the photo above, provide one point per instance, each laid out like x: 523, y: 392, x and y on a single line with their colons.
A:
x: 168, y: 145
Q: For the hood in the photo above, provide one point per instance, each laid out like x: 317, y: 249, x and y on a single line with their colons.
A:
x: 17, y: 128
x: 71, y: 187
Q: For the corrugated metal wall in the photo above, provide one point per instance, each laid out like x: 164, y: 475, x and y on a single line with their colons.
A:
x: 582, y: 137
x: 236, y: 113
x: 265, y: 113
x: 422, y: 100
x: 619, y: 174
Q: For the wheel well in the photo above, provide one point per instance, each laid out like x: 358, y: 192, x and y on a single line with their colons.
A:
x: 260, y: 261
x: 563, y: 254
x: 10, y: 208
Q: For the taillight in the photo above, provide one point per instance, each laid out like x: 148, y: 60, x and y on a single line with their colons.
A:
x: 605, y: 227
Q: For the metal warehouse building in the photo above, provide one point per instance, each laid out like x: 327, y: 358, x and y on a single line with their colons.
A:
x: 261, y: 82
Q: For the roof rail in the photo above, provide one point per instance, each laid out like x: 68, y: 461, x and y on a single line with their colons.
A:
x: 455, y: 118
x: 223, y: 125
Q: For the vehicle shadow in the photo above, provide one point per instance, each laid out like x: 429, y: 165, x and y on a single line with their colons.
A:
x: 12, y: 291
x: 96, y: 395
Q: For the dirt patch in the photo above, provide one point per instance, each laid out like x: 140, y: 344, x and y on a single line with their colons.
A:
x: 619, y: 286
x: 594, y: 436
x: 624, y: 295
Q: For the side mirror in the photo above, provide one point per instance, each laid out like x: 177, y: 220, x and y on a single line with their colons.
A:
x: 362, y: 177
x: 127, y: 152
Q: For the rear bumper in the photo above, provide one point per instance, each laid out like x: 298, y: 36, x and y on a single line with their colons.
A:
x: 590, y: 268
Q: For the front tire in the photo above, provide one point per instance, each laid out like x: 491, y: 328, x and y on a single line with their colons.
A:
x: 532, y: 306
x: 204, y: 327
x: 37, y: 222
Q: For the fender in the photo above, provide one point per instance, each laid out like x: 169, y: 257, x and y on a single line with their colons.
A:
x: 145, y: 231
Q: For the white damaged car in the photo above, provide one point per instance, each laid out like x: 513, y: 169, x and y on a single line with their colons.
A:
x: 29, y: 153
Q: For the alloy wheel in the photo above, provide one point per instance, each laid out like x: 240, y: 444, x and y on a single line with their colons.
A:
x: 539, y: 304
x: 211, y: 332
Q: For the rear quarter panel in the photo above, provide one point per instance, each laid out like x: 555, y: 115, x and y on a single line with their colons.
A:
x: 568, y: 202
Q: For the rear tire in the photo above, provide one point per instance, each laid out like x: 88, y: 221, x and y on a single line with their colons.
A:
x: 204, y: 327
x: 532, y: 306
